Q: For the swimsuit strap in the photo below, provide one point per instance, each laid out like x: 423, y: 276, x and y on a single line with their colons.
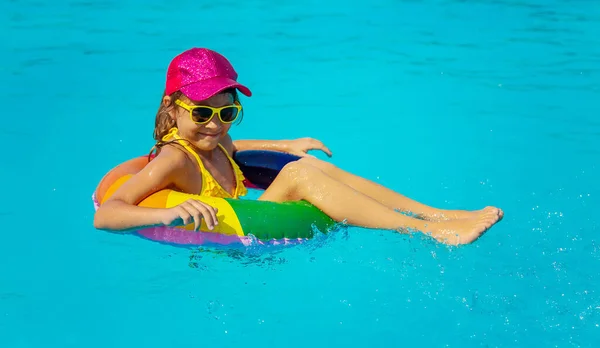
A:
x: 173, y: 133
x: 240, y: 188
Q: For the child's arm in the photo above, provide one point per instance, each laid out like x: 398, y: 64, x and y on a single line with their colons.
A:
x: 298, y: 147
x: 269, y: 145
x: 121, y: 213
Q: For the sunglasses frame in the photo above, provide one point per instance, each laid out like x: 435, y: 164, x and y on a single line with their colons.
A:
x: 217, y: 111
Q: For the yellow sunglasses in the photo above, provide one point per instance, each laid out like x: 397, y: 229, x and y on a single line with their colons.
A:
x: 202, y: 114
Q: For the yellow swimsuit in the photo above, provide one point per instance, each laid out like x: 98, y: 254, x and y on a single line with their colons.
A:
x: 210, y: 186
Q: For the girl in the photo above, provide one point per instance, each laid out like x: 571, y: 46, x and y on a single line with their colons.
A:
x: 194, y: 155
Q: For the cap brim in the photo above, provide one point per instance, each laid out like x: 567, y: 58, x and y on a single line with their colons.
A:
x: 206, y: 89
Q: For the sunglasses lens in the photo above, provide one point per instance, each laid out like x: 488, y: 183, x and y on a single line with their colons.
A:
x: 229, y: 114
x: 201, y: 114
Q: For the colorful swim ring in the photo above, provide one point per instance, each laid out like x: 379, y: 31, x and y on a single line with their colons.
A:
x: 242, y: 222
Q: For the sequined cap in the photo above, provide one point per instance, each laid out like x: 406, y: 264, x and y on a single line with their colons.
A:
x: 200, y: 73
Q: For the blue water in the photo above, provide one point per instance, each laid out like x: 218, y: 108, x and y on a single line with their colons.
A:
x: 458, y: 104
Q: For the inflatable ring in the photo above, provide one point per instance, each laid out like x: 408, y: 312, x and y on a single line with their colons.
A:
x: 241, y: 221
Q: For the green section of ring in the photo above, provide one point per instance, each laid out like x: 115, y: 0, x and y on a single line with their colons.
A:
x: 270, y: 220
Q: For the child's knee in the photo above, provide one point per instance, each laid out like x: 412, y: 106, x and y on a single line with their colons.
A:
x: 298, y: 172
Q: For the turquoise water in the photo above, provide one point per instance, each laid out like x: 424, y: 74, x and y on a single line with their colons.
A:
x: 454, y: 103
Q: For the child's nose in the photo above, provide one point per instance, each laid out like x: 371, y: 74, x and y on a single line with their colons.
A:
x: 215, y: 122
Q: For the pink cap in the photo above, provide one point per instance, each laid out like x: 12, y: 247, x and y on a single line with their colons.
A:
x: 200, y: 73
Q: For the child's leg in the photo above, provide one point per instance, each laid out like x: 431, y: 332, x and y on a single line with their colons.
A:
x: 394, y: 200
x: 301, y: 181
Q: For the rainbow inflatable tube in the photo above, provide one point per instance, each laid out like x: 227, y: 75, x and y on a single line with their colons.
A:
x: 242, y: 222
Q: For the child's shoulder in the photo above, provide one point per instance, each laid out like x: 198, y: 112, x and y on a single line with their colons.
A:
x: 171, y: 158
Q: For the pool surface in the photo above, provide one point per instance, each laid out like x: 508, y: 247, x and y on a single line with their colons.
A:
x: 458, y: 104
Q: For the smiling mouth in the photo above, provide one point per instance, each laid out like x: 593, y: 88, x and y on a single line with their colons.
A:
x: 210, y: 135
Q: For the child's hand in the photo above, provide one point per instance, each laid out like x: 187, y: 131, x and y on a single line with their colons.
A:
x: 300, y: 147
x: 191, y: 210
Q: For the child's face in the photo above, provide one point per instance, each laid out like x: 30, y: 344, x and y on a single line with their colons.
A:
x: 205, y: 136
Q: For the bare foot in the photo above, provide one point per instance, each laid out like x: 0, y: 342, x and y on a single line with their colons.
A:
x: 461, y: 231
x: 490, y: 213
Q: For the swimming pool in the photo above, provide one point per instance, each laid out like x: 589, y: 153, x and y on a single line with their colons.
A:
x: 455, y: 104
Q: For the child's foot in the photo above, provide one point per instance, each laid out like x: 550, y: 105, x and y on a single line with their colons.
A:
x: 491, y: 213
x: 461, y: 231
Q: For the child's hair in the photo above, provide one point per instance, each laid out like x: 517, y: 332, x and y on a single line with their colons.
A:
x: 164, y: 122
